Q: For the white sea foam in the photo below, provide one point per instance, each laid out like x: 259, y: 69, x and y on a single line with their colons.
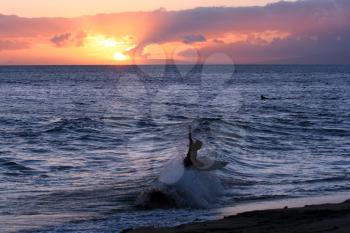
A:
x: 184, y: 187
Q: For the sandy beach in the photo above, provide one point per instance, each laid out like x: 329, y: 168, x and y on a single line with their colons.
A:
x: 333, y: 218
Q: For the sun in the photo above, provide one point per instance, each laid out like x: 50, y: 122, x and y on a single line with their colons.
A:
x: 118, y: 56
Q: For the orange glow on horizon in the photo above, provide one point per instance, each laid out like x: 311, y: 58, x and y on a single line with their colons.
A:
x: 118, y: 56
x: 108, y: 49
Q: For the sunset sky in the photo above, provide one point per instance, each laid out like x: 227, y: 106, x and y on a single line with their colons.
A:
x: 75, y: 8
x: 148, y: 32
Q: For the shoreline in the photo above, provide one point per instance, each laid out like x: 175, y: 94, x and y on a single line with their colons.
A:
x: 310, y: 214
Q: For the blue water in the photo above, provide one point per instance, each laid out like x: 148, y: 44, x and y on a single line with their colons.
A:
x: 81, y: 146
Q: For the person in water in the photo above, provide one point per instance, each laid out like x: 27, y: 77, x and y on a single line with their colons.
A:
x: 194, y: 146
x: 262, y: 97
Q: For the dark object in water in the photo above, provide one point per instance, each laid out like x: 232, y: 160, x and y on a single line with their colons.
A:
x: 262, y: 97
x: 157, y: 199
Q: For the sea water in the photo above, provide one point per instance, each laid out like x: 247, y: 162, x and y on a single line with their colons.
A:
x: 81, y: 147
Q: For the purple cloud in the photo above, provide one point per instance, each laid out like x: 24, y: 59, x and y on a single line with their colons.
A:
x: 189, y: 39
x: 61, y: 40
x: 68, y: 39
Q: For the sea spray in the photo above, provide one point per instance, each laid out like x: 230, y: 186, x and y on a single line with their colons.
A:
x: 180, y: 187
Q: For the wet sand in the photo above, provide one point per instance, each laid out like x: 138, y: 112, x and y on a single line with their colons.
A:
x: 334, y: 218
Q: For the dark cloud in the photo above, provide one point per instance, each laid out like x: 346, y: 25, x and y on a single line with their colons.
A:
x: 189, y: 39
x: 68, y: 39
x: 301, y: 17
x: 314, y: 29
x: 62, y: 39
x: 306, y: 50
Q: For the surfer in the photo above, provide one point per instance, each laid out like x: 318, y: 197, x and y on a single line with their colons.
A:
x: 191, y: 160
x: 194, y: 146
x: 262, y: 97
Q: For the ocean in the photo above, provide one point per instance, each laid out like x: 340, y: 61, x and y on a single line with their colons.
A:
x: 82, y: 147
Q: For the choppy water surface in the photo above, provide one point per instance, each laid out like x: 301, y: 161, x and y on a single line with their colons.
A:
x: 80, y: 146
